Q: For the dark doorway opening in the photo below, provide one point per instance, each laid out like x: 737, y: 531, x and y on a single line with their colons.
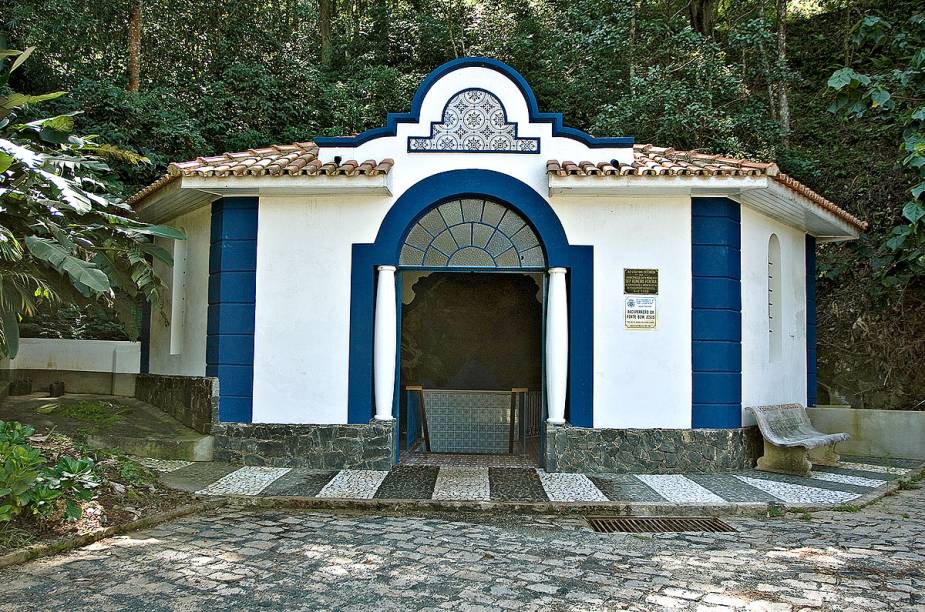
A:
x: 471, y: 367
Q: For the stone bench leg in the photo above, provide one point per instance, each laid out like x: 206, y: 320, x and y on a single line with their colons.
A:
x: 824, y: 455
x: 784, y: 460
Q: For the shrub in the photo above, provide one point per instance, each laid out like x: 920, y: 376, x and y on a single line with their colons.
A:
x: 28, y: 486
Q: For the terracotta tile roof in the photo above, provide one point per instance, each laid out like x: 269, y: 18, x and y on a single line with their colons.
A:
x: 297, y: 159
x: 649, y: 160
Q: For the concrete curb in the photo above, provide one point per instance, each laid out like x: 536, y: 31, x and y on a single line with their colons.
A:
x: 504, y: 507
x: 35, y: 551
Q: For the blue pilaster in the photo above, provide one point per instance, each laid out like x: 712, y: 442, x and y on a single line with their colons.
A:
x: 232, y: 297
x: 716, y: 315
x: 810, y: 320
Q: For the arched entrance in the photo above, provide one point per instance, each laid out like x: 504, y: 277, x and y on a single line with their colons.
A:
x: 471, y: 279
x: 374, y: 330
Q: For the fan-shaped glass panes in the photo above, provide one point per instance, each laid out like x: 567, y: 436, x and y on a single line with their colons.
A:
x: 472, y: 234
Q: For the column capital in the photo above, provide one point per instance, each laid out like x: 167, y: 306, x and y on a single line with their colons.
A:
x: 552, y: 271
x: 386, y: 268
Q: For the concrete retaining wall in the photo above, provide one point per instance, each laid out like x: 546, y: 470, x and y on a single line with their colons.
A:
x: 874, y: 433
x: 84, y: 366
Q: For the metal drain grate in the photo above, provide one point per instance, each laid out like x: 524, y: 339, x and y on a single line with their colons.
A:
x: 655, y: 524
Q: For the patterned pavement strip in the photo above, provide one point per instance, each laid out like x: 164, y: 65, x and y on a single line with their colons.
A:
x: 870, y: 467
x: 562, y: 487
x: 462, y: 483
x: 246, y: 559
x: 844, y: 478
x: 798, y: 494
x: 677, y: 488
x: 249, y: 480
x: 827, y: 485
x: 359, y: 484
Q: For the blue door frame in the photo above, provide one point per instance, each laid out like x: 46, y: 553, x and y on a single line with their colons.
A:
x: 459, y: 184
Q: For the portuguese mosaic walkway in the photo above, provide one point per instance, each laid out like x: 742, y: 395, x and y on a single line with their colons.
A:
x: 853, y: 478
x: 873, y: 559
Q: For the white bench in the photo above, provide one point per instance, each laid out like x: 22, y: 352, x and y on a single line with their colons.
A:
x: 791, y: 444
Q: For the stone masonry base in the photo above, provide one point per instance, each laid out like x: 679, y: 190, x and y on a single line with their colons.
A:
x: 653, y: 451
x: 322, y: 447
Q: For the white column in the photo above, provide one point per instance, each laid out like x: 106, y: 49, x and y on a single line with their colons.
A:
x: 556, y: 346
x: 384, y: 347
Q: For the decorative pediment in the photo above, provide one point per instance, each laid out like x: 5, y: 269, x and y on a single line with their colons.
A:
x: 473, y: 121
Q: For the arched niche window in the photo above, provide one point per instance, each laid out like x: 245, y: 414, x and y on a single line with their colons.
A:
x: 774, y: 298
x: 472, y: 233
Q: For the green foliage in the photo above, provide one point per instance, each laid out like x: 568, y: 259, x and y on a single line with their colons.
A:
x: 100, y: 413
x: 62, y: 240
x: 28, y: 486
x: 893, y: 91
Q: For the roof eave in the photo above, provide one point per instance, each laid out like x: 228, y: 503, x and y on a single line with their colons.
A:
x: 760, y: 192
x: 187, y: 193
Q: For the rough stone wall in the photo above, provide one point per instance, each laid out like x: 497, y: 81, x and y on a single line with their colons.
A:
x: 656, y: 451
x: 192, y: 400
x: 365, y: 447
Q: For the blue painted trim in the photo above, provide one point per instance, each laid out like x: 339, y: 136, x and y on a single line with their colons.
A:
x: 434, y: 124
x: 535, y: 116
x: 716, y: 313
x: 232, y: 300
x: 811, y: 376
x: 535, y: 210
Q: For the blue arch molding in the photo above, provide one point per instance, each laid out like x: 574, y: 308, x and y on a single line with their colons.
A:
x: 716, y: 313
x: 810, y: 320
x: 385, y: 250
x: 393, y: 119
x: 232, y: 299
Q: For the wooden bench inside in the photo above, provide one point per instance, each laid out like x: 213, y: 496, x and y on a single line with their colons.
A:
x: 791, y: 444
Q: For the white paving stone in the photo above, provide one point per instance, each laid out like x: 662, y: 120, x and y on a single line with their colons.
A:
x: 249, y: 480
x: 361, y: 484
x: 845, y: 479
x: 798, y: 494
x: 163, y: 465
x: 462, y: 483
x: 870, y: 467
x: 570, y: 487
x: 679, y: 489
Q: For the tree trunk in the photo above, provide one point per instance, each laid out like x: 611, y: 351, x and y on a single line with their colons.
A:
x: 326, y: 10
x: 703, y: 15
x: 783, y: 104
x: 134, y: 47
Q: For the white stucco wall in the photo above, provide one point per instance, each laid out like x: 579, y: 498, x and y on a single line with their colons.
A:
x: 642, y: 378
x: 79, y: 355
x: 783, y: 380
x: 189, y: 346
x: 303, y: 304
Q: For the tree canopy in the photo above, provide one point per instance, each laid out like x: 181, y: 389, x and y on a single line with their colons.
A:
x: 831, y: 89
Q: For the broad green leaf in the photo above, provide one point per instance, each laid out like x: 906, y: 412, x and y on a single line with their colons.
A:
x: 918, y: 190
x: 161, y: 231
x: 22, y: 57
x: 5, y: 162
x: 83, y: 275
x: 158, y: 252
x: 879, y: 97
x: 9, y: 319
x: 11, y: 102
x: 913, y: 211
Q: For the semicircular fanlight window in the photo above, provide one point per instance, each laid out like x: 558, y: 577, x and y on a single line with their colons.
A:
x: 472, y: 234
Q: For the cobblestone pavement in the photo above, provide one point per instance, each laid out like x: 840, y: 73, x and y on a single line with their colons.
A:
x: 827, y: 486
x: 868, y: 560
